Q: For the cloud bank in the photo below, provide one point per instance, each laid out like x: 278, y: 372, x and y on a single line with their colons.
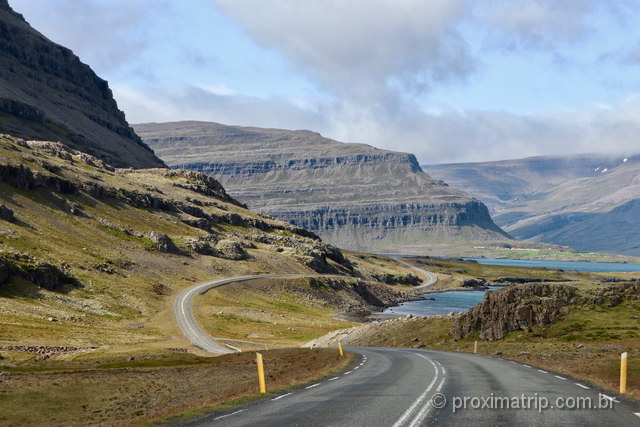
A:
x: 373, y: 64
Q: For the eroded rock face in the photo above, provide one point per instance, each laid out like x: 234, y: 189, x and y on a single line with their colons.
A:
x: 47, y: 93
x: 353, y: 195
x: 521, y: 307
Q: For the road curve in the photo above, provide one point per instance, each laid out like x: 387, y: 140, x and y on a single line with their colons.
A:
x: 183, y: 310
x: 433, y: 279
x: 406, y: 387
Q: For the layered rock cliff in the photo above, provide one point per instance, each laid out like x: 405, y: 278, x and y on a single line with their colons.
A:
x: 46, y: 92
x: 353, y: 195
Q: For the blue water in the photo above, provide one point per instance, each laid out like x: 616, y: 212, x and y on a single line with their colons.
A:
x: 445, y: 302
x: 593, y: 267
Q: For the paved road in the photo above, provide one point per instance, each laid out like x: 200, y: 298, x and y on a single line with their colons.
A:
x: 396, y: 387
x: 433, y: 279
x: 182, y: 307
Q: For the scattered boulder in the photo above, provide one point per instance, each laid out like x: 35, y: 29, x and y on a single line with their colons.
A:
x: 163, y: 242
x: 6, y: 214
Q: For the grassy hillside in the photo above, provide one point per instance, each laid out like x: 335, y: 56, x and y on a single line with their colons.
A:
x: 91, y: 256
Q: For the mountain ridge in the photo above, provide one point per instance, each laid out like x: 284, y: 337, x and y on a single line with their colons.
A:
x: 354, y: 195
x: 583, y: 201
x: 47, y: 93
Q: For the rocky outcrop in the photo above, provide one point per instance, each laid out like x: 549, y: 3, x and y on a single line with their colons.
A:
x: 163, y: 243
x: 47, y: 93
x: 213, y: 246
x: 515, y: 308
x: 38, y: 272
x: 352, y: 195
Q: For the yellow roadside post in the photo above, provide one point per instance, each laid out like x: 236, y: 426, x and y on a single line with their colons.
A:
x: 340, y: 348
x: 623, y: 373
x: 263, y: 387
x: 475, y: 347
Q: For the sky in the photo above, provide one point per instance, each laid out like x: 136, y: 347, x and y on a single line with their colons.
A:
x: 448, y: 80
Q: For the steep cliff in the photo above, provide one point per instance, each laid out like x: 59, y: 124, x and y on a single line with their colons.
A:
x: 47, y: 93
x: 353, y: 195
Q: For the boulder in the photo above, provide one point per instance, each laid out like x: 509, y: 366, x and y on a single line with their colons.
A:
x: 163, y: 242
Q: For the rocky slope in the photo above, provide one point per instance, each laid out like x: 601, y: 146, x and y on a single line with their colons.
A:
x: 47, y: 93
x: 91, y: 255
x: 353, y: 195
x: 525, y: 307
x: 589, y: 202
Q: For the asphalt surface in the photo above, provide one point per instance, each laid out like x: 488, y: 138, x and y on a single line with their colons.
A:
x: 182, y: 308
x: 433, y: 279
x: 396, y: 387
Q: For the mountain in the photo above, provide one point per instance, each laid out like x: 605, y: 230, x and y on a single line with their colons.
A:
x: 588, y: 201
x: 47, y: 93
x: 353, y: 195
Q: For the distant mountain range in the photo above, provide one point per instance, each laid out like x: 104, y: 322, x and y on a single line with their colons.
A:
x: 590, y: 202
x: 47, y: 93
x: 353, y: 195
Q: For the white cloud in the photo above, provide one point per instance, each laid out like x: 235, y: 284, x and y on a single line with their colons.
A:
x: 362, y: 48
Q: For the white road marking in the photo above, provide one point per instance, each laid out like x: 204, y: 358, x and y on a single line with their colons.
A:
x: 347, y: 373
x: 233, y: 348
x: 228, y: 415
x: 420, y: 398
x: 582, y: 386
x: 357, y: 367
x: 313, y: 385
x: 613, y: 399
x: 562, y: 378
x: 425, y: 411
x: 526, y: 366
x: 280, y: 397
x: 637, y: 414
x: 333, y: 379
x: 544, y: 372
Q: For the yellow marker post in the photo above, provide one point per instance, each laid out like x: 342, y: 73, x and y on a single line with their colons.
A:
x: 475, y: 347
x: 623, y: 372
x: 263, y: 387
x: 340, y: 348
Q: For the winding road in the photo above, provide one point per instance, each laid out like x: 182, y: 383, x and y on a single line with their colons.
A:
x: 406, y: 387
x: 410, y: 387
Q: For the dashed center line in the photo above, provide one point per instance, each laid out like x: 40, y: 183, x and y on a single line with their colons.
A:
x: 333, y: 379
x: 544, y: 372
x: 280, y: 397
x: 228, y: 415
x: 526, y: 366
x: 582, y: 386
x: 347, y: 373
x: 313, y: 385
x: 562, y: 378
x: 637, y: 414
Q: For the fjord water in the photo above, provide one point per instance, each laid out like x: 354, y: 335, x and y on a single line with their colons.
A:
x: 592, y: 267
x: 461, y: 301
x: 442, y: 303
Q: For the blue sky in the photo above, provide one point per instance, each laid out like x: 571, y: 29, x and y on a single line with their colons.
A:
x: 450, y: 80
